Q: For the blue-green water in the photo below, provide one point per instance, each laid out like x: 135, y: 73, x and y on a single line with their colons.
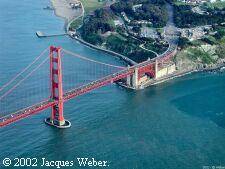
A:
x: 175, y: 125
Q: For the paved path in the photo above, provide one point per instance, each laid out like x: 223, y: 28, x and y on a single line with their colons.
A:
x: 142, y: 46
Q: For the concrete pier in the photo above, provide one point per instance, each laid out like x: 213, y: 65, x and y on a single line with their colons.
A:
x: 42, y: 35
x: 135, y: 79
x: 156, y: 69
x: 58, y: 124
x: 128, y: 82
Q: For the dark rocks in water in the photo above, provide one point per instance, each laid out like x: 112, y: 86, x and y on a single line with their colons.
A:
x: 48, y: 8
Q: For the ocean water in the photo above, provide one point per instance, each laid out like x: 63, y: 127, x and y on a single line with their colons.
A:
x: 175, y: 125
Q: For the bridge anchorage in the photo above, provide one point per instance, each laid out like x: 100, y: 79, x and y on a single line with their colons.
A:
x: 56, y: 118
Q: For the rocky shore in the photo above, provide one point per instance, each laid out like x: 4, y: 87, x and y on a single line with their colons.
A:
x: 181, y: 73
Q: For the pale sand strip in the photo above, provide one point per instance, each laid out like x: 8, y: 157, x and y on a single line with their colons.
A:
x: 63, y: 9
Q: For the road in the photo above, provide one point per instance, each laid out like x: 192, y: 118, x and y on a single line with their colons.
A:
x: 170, y: 33
x: 170, y: 30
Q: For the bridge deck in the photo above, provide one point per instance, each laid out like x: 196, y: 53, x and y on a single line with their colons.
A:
x: 25, y: 112
x: 5, y: 120
x: 21, y: 114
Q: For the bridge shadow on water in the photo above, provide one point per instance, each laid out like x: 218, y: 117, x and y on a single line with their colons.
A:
x: 207, y: 102
x: 204, y: 105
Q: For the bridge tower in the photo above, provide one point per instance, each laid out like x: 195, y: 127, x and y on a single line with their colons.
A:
x: 56, y: 118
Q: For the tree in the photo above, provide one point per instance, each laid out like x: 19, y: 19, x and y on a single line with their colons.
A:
x: 220, y: 50
x: 220, y: 33
x: 183, y: 42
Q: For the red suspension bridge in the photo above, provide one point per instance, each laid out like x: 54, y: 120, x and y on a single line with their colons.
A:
x: 31, y: 91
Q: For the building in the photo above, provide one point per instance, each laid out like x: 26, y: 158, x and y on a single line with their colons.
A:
x: 212, y: 1
x: 194, y: 33
x: 166, y: 70
x: 125, y: 17
x: 142, y: 22
x: 118, y: 22
x: 193, y: 1
x: 148, y: 33
x: 75, y: 5
x: 135, y: 7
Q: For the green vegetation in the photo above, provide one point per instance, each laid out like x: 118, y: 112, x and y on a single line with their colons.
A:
x: 160, y: 30
x: 158, y: 47
x: 178, y: 3
x: 220, y: 37
x: 154, y: 11
x: 200, y: 55
x: 99, y: 28
x: 220, y: 33
x: 207, y: 50
x: 91, y: 5
x: 196, y: 43
x: 222, y: 40
x: 95, y: 28
x: 209, y: 40
x: 76, y: 23
x: 183, y: 42
x: 220, y: 50
x: 196, y: 56
x: 184, y: 17
x: 95, y: 25
x: 215, y: 5
x: 128, y: 47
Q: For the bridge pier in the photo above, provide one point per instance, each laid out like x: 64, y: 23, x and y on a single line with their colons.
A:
x: 57, y: 118
x: 128, y: 80
x: 135, y: 79
x: 156, y: 68
x: 141, y: 74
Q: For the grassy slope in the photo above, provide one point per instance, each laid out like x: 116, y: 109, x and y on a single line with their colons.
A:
x: 217, y: 4
x: 76, y: 23
x: 91, y: 5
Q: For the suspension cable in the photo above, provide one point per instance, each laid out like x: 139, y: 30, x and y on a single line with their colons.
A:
x: 26, y: 68
x: 91, y: 60
x: 28, y: 75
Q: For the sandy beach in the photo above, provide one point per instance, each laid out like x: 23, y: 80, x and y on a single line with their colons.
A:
x: 64, y: 10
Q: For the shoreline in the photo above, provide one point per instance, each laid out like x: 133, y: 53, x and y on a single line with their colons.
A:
x: 122, y: 57
x: 68, y: 23
x: 174, y: 76
x: 127, y: 60
x: 62, y: 9
x: 179, y: 74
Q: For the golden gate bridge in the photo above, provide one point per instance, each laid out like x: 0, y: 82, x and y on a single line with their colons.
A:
x: 20, y: 99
